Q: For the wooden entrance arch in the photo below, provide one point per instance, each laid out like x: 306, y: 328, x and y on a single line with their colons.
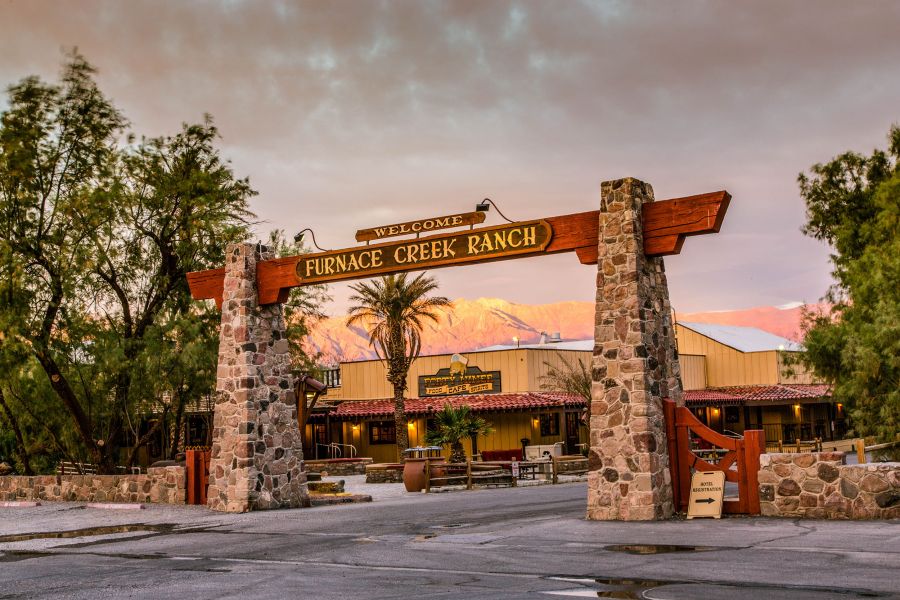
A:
x: 256, y: 456
x: 666, y: 223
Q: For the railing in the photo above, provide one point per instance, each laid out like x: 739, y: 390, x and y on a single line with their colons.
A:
x: 331, y: 377
x: 334, y: 450
x: 79, y: 468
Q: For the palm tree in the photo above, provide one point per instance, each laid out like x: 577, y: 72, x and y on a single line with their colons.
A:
x: 452, y: 426
x: 572, y: 379
x: 395, y: 310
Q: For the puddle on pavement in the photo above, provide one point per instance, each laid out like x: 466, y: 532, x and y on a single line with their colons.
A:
x: 88, y: 531
x: 643, y: 549
x: 450, y: 526
x: 16, y: 556
x: 609, y: 587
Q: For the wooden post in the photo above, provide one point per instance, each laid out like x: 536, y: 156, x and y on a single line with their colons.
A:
x: 427, y: 476
x: 861, y: 451
x: 754, y: 445
x: 554, y: 474
x: 669, y: 415
x: 780, y: 445
x: 468, y: 474
x: 683, y: 443
x: 515, y: 480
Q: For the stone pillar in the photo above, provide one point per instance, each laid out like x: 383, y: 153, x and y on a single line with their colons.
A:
x: 634, y: 366
x: 256, y: 452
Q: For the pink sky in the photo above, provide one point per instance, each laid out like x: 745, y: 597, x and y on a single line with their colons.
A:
x: 346, y: 115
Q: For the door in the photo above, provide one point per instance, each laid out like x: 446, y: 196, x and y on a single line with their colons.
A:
x: 573, y: 422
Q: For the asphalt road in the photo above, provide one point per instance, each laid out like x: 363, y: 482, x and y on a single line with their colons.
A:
x: 502, y: 543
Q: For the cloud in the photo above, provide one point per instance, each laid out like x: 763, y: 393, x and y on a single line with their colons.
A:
x: 349, y: 114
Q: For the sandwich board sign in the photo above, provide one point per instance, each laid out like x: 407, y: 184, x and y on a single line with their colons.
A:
x: 707, y: 493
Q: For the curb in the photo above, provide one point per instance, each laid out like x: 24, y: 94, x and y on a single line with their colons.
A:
x: 114, y: 506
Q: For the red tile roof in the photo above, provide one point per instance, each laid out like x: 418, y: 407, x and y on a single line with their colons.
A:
x: 773, y: 394
x: 354, y: 409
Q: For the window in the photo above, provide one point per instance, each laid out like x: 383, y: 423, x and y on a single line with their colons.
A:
x: 319, y: 433
x: 382, y: 432
x: 732, y: 414
x: 550, y: 424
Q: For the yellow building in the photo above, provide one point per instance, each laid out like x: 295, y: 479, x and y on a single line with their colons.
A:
x: 735, y: 378
x: 503, y: 385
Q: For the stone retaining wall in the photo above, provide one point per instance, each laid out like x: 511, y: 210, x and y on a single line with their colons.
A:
x: 356, y: 466
x: 163, y: 485
x: 819, y: 485
x: 384, y: 473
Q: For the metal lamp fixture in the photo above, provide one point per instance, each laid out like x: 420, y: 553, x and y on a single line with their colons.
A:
x: 299, y: 238
x: 486, y: 204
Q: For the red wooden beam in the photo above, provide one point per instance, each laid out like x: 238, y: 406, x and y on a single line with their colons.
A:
x: 665, y: 225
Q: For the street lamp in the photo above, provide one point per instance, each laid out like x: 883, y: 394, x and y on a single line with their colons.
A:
x: 486, y: 204
x: 299, y: 238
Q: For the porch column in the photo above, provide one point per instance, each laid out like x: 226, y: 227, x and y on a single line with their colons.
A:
x: 256, y: 447
x: 634, y: 366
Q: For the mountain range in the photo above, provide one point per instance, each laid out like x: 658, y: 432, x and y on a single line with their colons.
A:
x: 474, y: 324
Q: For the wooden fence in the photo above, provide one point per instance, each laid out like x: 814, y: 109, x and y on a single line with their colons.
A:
x: 471, y: 473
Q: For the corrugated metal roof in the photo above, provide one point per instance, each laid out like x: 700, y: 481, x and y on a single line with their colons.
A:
x: 584, y: 345
x: 745, y: 339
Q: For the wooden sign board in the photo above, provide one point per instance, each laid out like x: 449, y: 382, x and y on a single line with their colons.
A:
x: 477, y: 245
x: 420, y: 226
x: 707, y: 493
x: 447, y: 383
x: 665, y: 225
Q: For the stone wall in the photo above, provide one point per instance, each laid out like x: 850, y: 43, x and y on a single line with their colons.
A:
x: 340, y: 466
x: 256, y: 452
x: 634, y: 366
x: 164, y: 485
x: 820, y: 486
x: 384, y: 473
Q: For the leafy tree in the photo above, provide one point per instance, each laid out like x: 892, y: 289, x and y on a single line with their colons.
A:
x: 97, y: 232
x: 303, y: 308
x: 571, y: 379
x: 853, y: 204
x: 395, y: 310
x: 452, y: 426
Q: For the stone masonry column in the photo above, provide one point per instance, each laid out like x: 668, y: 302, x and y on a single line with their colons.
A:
x: 634, y: 366
x: 256, y: 449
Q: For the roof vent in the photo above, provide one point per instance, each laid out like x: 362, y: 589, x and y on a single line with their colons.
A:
x: 555, y: 337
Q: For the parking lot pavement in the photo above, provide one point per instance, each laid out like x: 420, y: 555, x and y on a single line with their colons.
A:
x: 529, y: 542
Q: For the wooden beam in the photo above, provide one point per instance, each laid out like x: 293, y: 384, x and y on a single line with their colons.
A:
x: 665, y: 225
x: 667, y: 222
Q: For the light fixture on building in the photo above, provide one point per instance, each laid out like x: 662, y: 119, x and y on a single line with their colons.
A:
x: 486, y: 204
x: 411, y: 424
x: 299, y: 238
x: 516, y: 340
x: 355, y: 427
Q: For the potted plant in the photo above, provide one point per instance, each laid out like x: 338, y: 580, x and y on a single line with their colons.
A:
x: 452, y: 426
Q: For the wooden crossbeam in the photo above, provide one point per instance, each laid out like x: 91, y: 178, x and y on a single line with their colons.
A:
x: 665, y: 225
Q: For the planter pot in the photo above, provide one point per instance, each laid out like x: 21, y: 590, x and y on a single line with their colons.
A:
x: 414, y: 472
